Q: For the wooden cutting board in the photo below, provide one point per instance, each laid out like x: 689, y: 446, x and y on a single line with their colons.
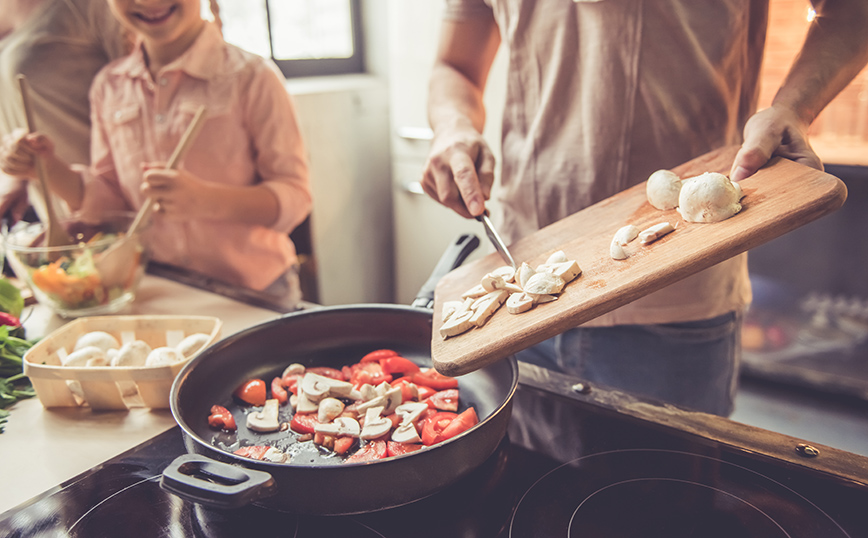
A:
x: 779, y: 198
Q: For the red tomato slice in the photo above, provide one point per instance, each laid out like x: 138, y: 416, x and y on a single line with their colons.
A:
x: 444, y: 400
x: 371, y: 373
x: 397, y: 449
x: 373, y: 450
x: 343, y: 444
x: 463, y: 422
x: 303, y: 423
x: 221, y: 418
x: 409, y: 390
x: 423, y: 418
x: 435, y: 425
x: 252, y: 392
x: 434, y: 379
x: 255, y: 452
x: 277, y: 391
x: 375, y: 356
x: 398, y: 365
x: 425, y: 392
x: 290, y: 382
x: 325, y: 371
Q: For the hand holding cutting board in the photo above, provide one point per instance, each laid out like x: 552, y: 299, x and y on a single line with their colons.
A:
x: 779, y: 198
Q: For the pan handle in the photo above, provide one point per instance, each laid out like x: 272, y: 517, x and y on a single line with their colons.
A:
x: 215, y: 484
x: 454, y: 256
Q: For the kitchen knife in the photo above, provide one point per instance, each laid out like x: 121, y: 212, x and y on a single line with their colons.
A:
x: 496, y: 240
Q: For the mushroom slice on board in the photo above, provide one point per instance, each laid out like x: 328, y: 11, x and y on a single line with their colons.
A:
x: 544, y: 284
x: 649, y: 235
x: 519, y: 302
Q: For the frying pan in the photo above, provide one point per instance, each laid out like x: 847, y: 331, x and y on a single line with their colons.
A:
x: 314, y: 482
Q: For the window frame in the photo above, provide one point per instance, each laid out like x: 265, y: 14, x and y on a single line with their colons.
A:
x: 314, y: 67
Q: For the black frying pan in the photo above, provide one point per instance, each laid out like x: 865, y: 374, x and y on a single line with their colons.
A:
x: 312, y: 483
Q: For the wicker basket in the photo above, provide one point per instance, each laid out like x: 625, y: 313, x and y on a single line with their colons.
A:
x: 112, y: 387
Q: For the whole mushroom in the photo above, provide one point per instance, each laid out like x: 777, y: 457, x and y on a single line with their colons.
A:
x: 710, y: 197
x: 663, y: 188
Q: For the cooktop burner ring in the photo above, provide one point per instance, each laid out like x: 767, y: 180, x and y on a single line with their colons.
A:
x: 625, y: 493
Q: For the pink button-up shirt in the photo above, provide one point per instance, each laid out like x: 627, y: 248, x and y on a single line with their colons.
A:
x: 250, y: 137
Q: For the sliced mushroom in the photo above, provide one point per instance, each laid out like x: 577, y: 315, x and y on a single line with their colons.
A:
x: 316, y: 387
x: 275, y: 455
x: 406, y: 433
x: 474, y: 292
x: 368, y: 392
x: 449, y: 308
x: 329, y: 409
x: 649, y: 235
x: 293, y: 369
x: 617, y: 252
x: 411, y: 411
x: 525, y: 271
x: 457, y: 324
x: 625, y: 234
x: 544, y: 284
x: 267, y: 419
x: 491, y: 282
x: 519, y: 302
x: 567, y: 270
x: 506, y: 272
x: 487, y: 308
x: 557, y: 256
x: 341, y: 426
x: 305, y: 405
x: 375, y: 425
x: 388, y: 401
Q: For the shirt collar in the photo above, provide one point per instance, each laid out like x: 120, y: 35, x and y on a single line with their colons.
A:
x: 202, y: 60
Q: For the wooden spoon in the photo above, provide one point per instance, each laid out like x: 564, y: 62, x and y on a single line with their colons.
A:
x: 113, y: 262
x: 55, y: 233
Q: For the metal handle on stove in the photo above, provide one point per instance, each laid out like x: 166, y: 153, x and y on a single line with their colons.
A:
x: 215, y: 484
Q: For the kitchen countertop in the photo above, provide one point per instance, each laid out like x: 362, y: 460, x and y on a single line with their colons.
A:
x: 43, y: 447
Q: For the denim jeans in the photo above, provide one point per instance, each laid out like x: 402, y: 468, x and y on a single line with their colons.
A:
x: 692, y: 364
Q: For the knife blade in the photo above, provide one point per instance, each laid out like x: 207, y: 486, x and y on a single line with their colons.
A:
x: 498, y: 243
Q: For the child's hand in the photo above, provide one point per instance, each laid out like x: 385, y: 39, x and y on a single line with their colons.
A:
x: 176, y: 193
x: 19, y: 151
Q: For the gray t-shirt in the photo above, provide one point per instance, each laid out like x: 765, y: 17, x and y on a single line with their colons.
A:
x: 601, y: 93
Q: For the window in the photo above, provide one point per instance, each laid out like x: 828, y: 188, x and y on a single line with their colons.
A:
x: 304, y: 37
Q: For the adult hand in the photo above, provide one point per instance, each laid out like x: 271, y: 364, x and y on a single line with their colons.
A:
x: 13, y: 198
x: 176, y: 193
x: 19, y: 151
x: 459, y: 171
x: 774, y: 131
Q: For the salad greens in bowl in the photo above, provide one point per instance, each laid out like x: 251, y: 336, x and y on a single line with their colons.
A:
x: 68, y: 278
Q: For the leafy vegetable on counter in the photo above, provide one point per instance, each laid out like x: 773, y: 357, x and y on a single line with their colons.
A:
x: 14, y: 385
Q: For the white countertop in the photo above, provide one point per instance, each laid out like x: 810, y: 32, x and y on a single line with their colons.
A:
x: 43, y: 447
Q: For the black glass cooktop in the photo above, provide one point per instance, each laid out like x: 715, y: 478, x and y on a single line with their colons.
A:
x: 568, y: 468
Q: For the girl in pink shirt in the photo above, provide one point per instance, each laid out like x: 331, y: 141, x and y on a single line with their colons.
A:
x: 243, y: 186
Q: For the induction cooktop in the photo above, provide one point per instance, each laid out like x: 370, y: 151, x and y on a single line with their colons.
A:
x: 578, y: 461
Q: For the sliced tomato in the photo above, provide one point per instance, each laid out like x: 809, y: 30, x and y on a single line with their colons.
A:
x: 277, y: 391
x: 409, y: 390
x: 434, y: 379
x: 435, y: 425
x: 290, y: 382
x: 303, y: 423
x: 373, y: 450
x: 424, y: 392
x: 370, y: 373
x: 343, y: 444
x: 325, y: 371
x: 221, y: 418
x: 463, y: 422
x: 444, y: 400
x: 255, y: 452
x: 397, y: 449
x: 423, y: 418
x: 398, y: 365
x: 375, y: 356
x: 252, y: 392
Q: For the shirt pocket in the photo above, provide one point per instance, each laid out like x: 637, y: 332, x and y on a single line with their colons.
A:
x: 127, y: 135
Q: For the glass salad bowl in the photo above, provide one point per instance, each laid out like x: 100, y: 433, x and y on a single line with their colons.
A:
x: 98, y: 274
